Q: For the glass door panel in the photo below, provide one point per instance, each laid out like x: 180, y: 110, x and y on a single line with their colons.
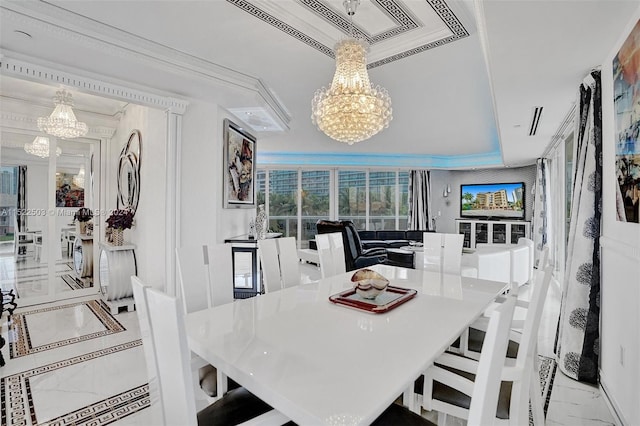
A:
x: 315, y: 201
x: 482, y: 231
x: 499, y: 234
x: 352, y: 197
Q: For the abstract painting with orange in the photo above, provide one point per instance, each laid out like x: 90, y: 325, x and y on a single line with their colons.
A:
x: 626, y: 95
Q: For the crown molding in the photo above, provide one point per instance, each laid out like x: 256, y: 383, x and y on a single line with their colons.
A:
x: 21, y: 123
x: 66, y: 25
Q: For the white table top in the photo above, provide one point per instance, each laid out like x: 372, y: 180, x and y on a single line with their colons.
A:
x: 321, y: 363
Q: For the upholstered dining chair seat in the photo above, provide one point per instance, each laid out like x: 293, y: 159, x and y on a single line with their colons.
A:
x: 237, y: 406
x: 397, y: 415
x: 476, y: 339
x: 452, y: 396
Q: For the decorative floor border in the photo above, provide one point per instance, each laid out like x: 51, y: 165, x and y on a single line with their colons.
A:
x: 17, y: 408
x: 22, y: 345
x: 75, y: 283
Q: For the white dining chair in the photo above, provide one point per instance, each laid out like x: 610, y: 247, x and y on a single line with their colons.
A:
x: 289, y: 262
x: 337, y: 253
x: 480, y: 394
x: 331, y: 253
x: 205, y: 279
x: 171, y: 362
x: 442, y: 252
x: 522, y: 241
x: 522, y: 372
x: 270, y: 265
x: 220, y: 271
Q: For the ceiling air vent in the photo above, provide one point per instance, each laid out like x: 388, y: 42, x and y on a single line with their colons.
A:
x: 535, y: 120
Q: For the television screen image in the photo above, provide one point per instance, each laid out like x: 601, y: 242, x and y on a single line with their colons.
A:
x: 493, y: 200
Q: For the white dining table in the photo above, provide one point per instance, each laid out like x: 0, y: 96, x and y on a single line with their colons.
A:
x: 321, y: 363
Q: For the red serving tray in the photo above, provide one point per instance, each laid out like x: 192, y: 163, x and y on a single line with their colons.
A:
x: 351, y: 299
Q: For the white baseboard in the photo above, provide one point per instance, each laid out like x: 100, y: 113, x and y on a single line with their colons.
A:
x: 611, y: 404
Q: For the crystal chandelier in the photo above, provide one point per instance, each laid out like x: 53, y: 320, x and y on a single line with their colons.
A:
x: 78, y: 180
x: 40, y: 147
x: 62, y: 122
x: 352, y: 109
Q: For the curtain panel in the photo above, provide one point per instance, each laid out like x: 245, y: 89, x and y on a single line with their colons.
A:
x: 420, y: 217
x: 542, y: 229
x: 578, y: 343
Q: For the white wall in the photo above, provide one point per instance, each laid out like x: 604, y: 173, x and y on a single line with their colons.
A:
x: 450, y: 206
x: 148, y: 234
x: 203, y: 219
x: 620, y: 272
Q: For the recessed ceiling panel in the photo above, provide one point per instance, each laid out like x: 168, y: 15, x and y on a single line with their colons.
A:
x: 394, y: 29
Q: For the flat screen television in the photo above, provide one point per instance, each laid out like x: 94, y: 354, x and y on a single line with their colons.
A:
x: 492, y: 201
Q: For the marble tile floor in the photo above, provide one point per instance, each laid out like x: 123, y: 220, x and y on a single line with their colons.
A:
x: 29, y: 278
x: 75, y: 363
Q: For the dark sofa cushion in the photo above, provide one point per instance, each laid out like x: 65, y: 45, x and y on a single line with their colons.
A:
x: 367, y: 244
x: 416, y: 235
x: 397, y: 243
x: 367, y: 235
x: 390, y: 235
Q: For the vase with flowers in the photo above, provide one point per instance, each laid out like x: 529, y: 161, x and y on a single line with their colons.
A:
x: 117, y: 222
x: 81, y: 218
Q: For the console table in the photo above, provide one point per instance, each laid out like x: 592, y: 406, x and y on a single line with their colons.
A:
x: 83, y: 255
x: 492, y: 231
x: 117, y: 265
x: 244, y: 257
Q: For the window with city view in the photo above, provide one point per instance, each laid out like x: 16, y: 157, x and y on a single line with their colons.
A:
x: 371, y: 199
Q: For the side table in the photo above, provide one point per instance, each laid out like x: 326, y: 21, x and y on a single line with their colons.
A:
x: 117, y: 265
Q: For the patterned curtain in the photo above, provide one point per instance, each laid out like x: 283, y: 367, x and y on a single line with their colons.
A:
x: 542, y: 228
x: 21, y: 206
x: 578, y: 343
x: 419, y: 201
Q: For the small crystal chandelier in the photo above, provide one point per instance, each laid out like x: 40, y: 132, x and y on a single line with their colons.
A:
x: 62, y: 122
x: 78, y: 180
x: 352, y: 109
x: 40, y: 147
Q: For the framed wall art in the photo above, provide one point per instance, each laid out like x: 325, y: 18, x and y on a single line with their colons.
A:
x: 626, y: 97
x: 239, y: 178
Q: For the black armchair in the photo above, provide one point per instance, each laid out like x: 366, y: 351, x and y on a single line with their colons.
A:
x: 355, y: 256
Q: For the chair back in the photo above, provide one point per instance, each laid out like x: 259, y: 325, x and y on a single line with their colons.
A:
x: 519, y: 407
x: 543, y: 259
x: 452, y: 253
x: 289, y: 262
x: 140, y: 298
x: 337, y: 253
x: 519, y: 275
x: 532, y: 254
x: 326, y: 253
x: 432, y: 251
x: 172, y: 357
x: 220, y: 270
x: 268, y: 249
x: 442, y: 252
x: 193, y: 277
x: 484, y: 398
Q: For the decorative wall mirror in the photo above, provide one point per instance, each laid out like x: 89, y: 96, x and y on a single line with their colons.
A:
x: 129, y: 173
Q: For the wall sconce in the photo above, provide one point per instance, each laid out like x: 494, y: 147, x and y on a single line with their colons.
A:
x: 446, y: 191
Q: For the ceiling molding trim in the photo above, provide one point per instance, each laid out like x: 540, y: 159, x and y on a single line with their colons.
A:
x: 78, y: 29
x: 404, y: 20
x: 378, y: 160
x: 43, y: 74
x: 282, y: 26
x: 483, y: 35
x: 448, y: 17
x: 390, y: 7
x: 14, y: 122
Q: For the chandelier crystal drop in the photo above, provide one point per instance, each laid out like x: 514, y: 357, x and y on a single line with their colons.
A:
x: 40, y: 147
x: 62, y: 122
x: 352, y: 109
